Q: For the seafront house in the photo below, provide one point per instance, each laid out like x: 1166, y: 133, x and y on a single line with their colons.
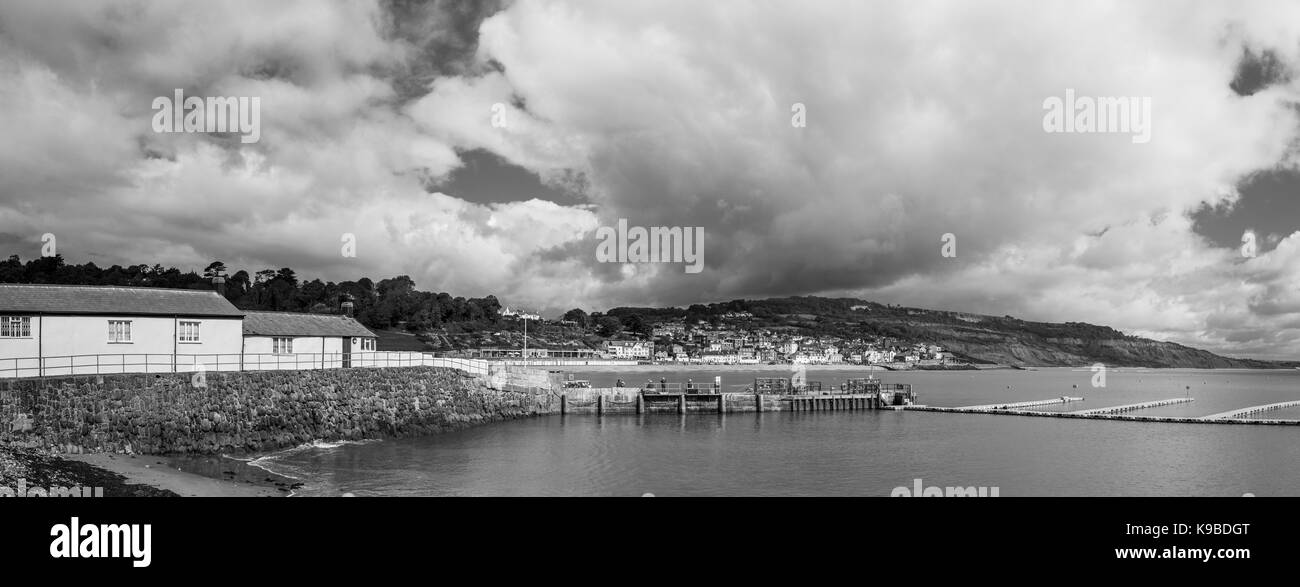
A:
x: 66, y: 329
x: 51, y: 330
x: 628, y: 349
x: 291, y: 340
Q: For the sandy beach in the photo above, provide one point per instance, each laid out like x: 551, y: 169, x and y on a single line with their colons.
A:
x: 154, y: 471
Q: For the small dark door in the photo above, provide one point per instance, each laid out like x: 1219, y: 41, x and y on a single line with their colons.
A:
x: 347, y: 351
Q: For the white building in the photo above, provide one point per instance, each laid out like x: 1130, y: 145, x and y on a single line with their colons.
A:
x: 50, y: 330
x: 519, y: 315
x: 290, y: 340
x: 629, y: 349
x: 70, y: 329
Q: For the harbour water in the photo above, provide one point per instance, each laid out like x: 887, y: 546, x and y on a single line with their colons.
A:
x: 860, y: 453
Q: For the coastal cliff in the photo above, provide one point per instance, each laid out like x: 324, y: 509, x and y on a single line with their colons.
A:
x: 1020, y: 348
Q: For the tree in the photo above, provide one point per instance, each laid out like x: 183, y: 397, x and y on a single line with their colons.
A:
x: 578, y: 316
x: 637, y: 324
x: 215, y: 269
x: 697, y: 312
x: 609, y: 325
x: 237, y: 288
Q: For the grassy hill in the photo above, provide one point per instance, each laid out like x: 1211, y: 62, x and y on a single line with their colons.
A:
x: 988, y: 339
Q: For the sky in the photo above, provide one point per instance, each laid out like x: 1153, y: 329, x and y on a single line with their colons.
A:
x: 478, y: 146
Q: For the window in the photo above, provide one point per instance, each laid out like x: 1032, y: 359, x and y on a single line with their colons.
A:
x: 187, y: 332
x: 15, y: 326
x: 282, y: 346
x: 119, y: 331
x: 367, y: 344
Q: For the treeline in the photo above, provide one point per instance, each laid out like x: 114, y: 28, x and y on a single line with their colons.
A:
x: 848, y: 317
x: 396, y: 303
x: 389, y: 303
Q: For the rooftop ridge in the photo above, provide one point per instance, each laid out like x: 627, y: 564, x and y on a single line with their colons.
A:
x: 99, y: 286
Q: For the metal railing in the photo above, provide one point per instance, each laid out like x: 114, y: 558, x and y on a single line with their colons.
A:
x: 117, y: 363
x: 676, y: 387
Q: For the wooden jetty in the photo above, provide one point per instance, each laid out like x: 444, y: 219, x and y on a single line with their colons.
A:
x: 774, y: 394
x: 786, y: 394
x: 1121, y: 412
x: 1132, y: 407
x: 1234, y: 414
x: 1022, y: 405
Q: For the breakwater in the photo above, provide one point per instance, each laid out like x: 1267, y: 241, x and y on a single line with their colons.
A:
x: 253, y: 411
x: 1113, y: 413
x: 1240, y: 413
x: 1021, y: 405
x: 630, y: 400
x: 1134, y: 407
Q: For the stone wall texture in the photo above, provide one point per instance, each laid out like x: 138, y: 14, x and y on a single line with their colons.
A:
x: 242, y: 412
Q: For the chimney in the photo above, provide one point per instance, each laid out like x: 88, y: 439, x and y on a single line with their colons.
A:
x: 220, y: 283
x: 346, y: 306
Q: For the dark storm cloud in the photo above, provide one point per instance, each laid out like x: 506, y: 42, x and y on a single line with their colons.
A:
x: 444, y: 34
x: 486, y: 178
x: 1257, y: 71
x: 1268, y: 204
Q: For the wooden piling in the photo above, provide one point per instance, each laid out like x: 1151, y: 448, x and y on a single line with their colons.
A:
x: 600, y: 405
x: 640, y: 402
x: 722, y: 403
x: 564, y: 404
x: 758, y: 402
x: 681, y: 404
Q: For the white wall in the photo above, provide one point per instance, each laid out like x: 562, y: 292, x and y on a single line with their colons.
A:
x: 309, y: 352
x: 78, y: 345
x: 67, y: 344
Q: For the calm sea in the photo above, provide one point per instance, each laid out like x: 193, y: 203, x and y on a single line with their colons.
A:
x: 850, y: 453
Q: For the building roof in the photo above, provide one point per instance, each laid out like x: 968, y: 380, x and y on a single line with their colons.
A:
x: 296, y: 324
x: 101, y: 300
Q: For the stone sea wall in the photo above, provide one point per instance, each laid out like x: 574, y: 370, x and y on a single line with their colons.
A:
x: 253, y: 411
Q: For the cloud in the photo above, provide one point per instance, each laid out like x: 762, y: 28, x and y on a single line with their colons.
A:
x: 923, y: 118
x: 337, y: 153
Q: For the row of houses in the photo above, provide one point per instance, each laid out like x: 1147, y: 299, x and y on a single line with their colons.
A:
x: 635, y: 350
x: 679, y: 342
x: 49, y: 329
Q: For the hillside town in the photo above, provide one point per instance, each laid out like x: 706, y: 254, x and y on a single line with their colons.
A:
x: 728, y: 341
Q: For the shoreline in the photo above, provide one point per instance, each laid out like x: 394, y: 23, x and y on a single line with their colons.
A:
x: 878, y: 368
x: 785, y: 367
x: 160, y: 473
